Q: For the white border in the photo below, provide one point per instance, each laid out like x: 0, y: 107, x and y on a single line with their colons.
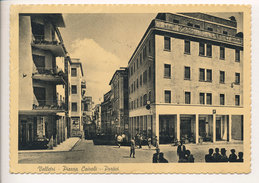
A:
x: 6, y: 177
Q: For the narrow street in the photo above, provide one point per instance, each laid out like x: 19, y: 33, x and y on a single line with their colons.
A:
x: 86, y: 152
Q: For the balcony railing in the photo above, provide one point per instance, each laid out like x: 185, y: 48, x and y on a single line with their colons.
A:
x: 51, y: 75
x: 49, y: 105
x: 38, y: 39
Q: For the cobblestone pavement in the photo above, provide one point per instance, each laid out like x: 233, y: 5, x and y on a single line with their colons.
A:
x: 86, y: 152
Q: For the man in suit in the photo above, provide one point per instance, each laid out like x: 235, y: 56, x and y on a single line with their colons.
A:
x: 209, y: 157
x: 132, y: 147
x: 158, y: 157
x: 181, y: 151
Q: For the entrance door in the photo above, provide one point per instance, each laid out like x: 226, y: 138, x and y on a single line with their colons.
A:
x: 185, y: 128
x: 218, y: 129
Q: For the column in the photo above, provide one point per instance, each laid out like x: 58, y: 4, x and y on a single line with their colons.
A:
x: 197, y: 128
x: 178, y: 126
x: 214, y: 128
x: 229, y: 128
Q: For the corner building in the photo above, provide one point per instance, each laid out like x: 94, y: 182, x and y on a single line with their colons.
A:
x: 189, y: 67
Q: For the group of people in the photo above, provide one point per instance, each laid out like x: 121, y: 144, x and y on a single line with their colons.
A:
x: 222, y: 156
x: 184, y: 155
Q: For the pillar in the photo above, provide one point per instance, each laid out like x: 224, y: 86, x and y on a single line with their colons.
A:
x: 178, y: 126
x: 229, y: 128
x: 197, y: 128
x: 214, y: 128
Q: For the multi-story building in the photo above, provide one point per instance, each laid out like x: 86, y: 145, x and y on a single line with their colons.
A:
x: 88, y: 122
x: 189, y: 67
x: 42, y: 80
x: 75, y: 93
x: 97, y: 117
x: 119, y: 100
x: 106, y: 111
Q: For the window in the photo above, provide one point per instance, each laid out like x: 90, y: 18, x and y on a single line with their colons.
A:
x: 237, y: 78
x: 197, y: 26
x: 237, y: 55
x: 74, y: 106
x: 74, y: 89
x: 222, y: 53
x: 190, y: 24
x: 73, y: 72
x: 140, y: 80
x: 141, y: 103
x: 137, y: 83
x: 144, y: 52
x: 202, y: 75
x: 222, y: 99
x: 137, y: 63
x: 145, y: 77
x: 134, y: 67
x: 149, y: 96
x: 222, y: 76
x: 201, y: 49
x: 209, y: 75
x: 167, y: 70
x: 209, y: 50
x: 145, y: 99
x: 175, y: 21
x: 187, y: 73
x: 225, y: 32
x: 134, y: 85
x: 210, y: 29
x: 149, y: 46
x: 149, y: 73
x: 202, y: 98
x: 137, y: 103
x: 140, y: 59
x: 132, y: 105
x: 132, y: 88
x: 167, y: 96
x: 167, y: 45
x: 187, y: 46
x: 237, y: 100
x: 131, y: 70
x: 209, y: 98
x: 187, y: 97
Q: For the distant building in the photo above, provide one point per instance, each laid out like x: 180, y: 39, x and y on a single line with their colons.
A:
x: 42, y: 81
x: 88, y: 122
x: 97, y: 117
x: 106, y: 111
x: 119, y: 100
x: 75, y: 93
x: 189, y: 67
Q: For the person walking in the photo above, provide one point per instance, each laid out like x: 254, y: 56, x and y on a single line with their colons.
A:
x: 149, y: 142
x: 119, y: 140
x: 132, y: 147
x: 181, y: 151
x: 156, y: 143
x: 140, y: 141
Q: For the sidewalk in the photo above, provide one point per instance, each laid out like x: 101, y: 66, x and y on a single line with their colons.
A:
x: 67, y: 145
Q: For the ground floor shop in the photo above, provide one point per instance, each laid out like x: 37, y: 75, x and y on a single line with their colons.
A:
x: 41, y: 130
x: 207, y: 126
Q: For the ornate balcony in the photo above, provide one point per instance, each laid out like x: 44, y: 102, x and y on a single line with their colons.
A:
x: 49, y: 105
x: 56, y: 76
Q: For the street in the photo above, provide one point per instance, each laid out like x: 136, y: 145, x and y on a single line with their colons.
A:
x: 86, y: 152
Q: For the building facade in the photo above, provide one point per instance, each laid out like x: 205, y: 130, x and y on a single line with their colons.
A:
x: 189, y: 68
x: 42, y: 81
x: 97, y: 117
x: 76, y: 90
x: 119, y: 100
x: 106, y: 114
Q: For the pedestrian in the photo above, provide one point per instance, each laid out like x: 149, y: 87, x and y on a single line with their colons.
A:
x: 181, y: 150
x: 132, y: 147
x: 217, y: 155
x: 149, y: 142
x: 140, y: 141
x: 189, y: 157
x: 232, y: 156
x: 224, y: 157
x: 209, y: 157
x: 119, y: 140
x: 240, y: 157
x: 156, y: 142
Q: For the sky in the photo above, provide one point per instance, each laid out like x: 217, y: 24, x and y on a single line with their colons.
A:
x: 105, y: 42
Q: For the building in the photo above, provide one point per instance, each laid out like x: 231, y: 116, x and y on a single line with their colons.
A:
x: 42, y: 81
x: 189, y: 67
x: 119, y: 100
x: 76, y: 90
x: 106, y: 111
x: 88, y: 122
x: 97, y: 117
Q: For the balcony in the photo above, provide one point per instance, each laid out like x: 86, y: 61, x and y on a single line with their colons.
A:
x: 49, y: 105
x: 195, y: 32
x: 56, y: 76
x: 56, y: 47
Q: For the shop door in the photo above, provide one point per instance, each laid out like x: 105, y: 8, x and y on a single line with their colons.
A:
x: 185, y: 128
